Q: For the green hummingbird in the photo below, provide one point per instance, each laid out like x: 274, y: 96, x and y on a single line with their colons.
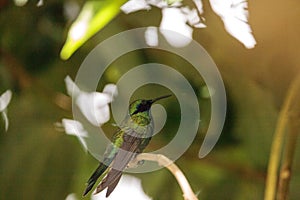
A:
x: 133, y: 135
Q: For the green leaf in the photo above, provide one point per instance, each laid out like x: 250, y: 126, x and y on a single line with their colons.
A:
x: 92, y: 18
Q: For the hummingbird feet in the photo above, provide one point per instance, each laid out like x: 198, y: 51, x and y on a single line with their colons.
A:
x: 135, y: 163
x: 140, y: 162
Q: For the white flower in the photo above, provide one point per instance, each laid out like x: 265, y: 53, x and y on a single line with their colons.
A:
x: 111, y: 90
x: 73, y: 127
x: 93, y: 105
x: 71, y: 196
x: 151, y: 36
x: 129, y: 187
x: 235, y: 18
x: 174, y: 28
x: 4, y: 101
x: 20, y: 2
x: 192, y: 17
x: 40, y: 3
x: 176, y: 16
x: 135, y: 5
x: 199, y: 6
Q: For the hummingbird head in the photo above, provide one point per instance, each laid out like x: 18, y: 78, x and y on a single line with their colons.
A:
x: 142, y: 105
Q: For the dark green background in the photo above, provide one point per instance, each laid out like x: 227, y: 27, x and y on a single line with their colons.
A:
x: 39, y: 162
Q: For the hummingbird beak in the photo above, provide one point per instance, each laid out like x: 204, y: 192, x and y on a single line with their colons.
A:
x: 159, y: 98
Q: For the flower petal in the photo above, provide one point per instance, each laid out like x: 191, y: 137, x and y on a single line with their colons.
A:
x: 40, y: 3
x: 20, y: 2
x: 192, y: 17
x: 151, y: 36
x: 92, y: 105
x: 111, y: 90
x: 71, y: 196
x: 174, y: 28
x: 5, y: 118
x: 127, y: 183
x: 199, y: 6
x: 235, y: 18
x: 158, y: 3
x: 134, y: 5
x: 72, y: 88
x: 73, y: 127
x: 5, y: 99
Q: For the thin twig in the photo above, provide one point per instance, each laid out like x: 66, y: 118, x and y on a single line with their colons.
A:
x: 277, y: 143
x: 162, y: 160
x: 286, y: 169
x: 290, y: 147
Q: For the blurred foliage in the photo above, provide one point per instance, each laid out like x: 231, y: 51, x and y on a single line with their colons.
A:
x: 39, y: 162
x: 93, y: 16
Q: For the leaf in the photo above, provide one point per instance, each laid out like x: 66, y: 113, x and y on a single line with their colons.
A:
x: 92, y: 18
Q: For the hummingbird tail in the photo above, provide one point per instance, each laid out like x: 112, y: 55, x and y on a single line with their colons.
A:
x: 112, y: 186
x: 93, y: 179
x: 110, y: 182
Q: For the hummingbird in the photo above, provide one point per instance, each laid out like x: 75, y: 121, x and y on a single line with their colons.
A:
x: 131, y: 138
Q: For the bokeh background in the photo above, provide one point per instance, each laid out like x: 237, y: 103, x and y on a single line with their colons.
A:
x: 39, y: 161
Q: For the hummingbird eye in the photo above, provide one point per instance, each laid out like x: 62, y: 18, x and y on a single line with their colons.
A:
x: 143, y: 106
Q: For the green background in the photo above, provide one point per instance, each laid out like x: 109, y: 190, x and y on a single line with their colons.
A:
x: 37, y: 161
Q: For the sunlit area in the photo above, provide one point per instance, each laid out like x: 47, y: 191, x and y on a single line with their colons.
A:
x: 149, y: 99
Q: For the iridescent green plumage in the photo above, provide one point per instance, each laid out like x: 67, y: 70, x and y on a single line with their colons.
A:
x: 133, y: 136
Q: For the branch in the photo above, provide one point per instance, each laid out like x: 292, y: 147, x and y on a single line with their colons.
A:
x: 290, y: 147
x: 162, y: 160
x: 286, y: 169
x: 277, y: 143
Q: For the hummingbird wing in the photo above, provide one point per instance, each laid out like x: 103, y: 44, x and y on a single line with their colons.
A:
x: 109, y: 156
x: 92, y: 180
x: 129, y: 148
